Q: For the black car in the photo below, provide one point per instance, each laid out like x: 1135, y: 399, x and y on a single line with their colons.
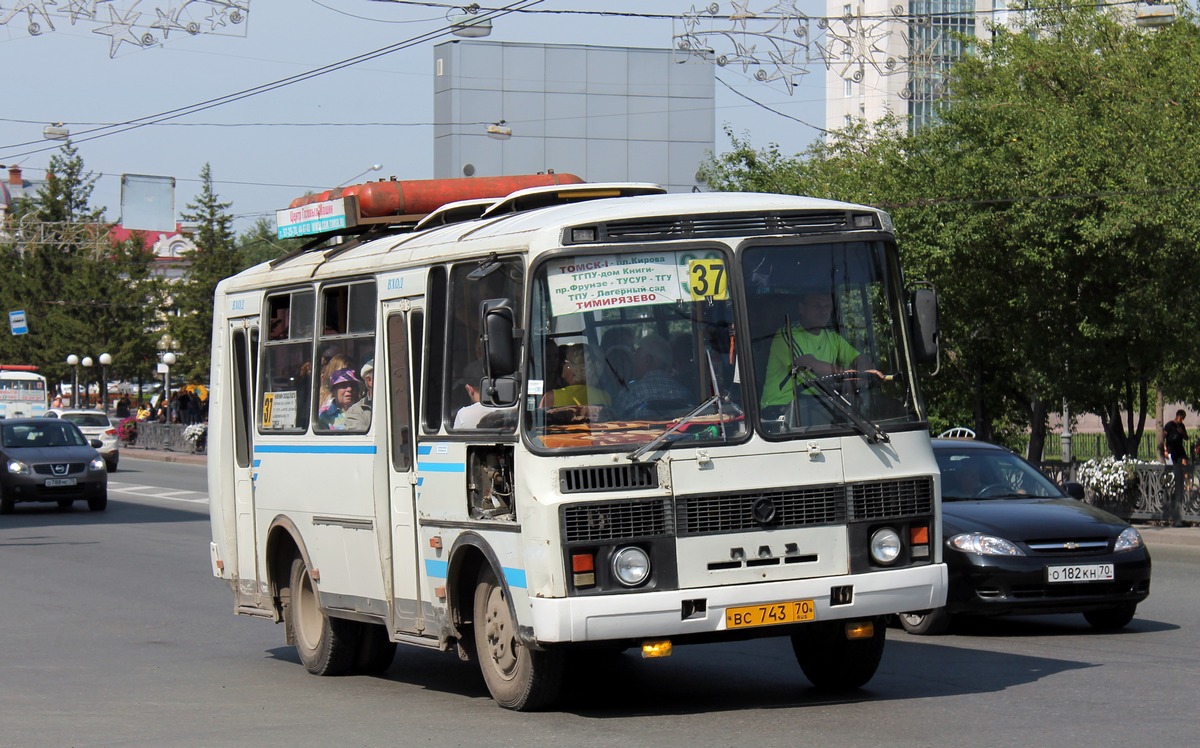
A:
x: 49, y: 459
x: 1016, y: 544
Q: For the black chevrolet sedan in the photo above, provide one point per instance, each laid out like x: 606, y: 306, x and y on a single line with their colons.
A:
x: 49, y: 459
x: 1016, y: 544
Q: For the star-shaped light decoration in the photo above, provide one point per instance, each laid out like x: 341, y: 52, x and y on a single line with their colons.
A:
x: 29, y: 7
x: 77, y: 9
x: 781, y: 31
x: 120, y: 30
x: 168, y: 19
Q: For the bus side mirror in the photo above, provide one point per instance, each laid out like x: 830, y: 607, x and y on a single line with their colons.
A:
x: 499, y: 388
x: 923, y: 308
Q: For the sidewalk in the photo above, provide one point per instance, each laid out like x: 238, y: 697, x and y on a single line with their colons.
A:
x: 138, y: 453
x: 1154, y: 535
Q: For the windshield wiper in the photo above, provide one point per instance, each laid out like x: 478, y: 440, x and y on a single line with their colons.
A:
x: 838, y: 402
x: 637, y: 453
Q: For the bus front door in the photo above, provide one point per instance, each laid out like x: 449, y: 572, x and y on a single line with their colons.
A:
x: 403, y: 339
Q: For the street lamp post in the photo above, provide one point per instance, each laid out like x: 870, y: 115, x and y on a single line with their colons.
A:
x: 87, y: 376
x: 168, y: 360
x: 105, y: 362
x: 73, y: 362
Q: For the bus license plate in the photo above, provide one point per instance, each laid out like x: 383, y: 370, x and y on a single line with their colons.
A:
x: 1080, y: 573
x: 770, y: 614
x: 56, y: 482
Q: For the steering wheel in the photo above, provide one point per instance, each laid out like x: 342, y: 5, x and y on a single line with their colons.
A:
x: 993, y: 489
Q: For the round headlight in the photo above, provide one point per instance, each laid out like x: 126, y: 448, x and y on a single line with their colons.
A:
x: 885, y: 546
x: 631, y: 566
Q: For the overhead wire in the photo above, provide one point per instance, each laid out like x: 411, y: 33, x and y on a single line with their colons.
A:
x: 138, y: 122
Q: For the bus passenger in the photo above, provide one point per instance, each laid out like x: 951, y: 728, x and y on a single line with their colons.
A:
x: 653, y: 383
x: 578, y: 368
x: 358, y: 416
x: 344, y: 384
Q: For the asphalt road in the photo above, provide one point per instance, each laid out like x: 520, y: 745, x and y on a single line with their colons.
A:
x: 114, y: 633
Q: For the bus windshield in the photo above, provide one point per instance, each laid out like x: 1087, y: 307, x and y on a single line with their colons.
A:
x: 624, y: 346
x: 826, y: 339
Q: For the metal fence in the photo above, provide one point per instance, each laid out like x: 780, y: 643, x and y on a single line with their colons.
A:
x: 163, y: 436
x: 1148, y: 498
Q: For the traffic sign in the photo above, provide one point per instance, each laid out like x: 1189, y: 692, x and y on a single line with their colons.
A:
x: 16, y: 321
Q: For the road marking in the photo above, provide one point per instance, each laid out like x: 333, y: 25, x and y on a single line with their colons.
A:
x: 153, y: 492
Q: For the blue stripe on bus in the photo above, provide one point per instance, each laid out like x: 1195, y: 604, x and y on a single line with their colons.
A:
x: 439, y: 570
x: 441, y: 467
x: 424, y: 449
x: 420, y: 480
x: 257, y: 463
x: 316, y: 449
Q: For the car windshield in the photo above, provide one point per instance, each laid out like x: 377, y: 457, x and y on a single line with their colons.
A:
x: 87, y: 420
x: 626, y: 346
x: 51, y: 434
x: 990, y: 474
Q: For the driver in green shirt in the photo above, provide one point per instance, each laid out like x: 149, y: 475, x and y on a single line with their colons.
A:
x: 816, y: 347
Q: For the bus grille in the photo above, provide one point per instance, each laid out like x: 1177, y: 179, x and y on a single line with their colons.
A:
x: 795, y: 507
x: 803, y: 507
x: 614, y: 520
x: 608, y: 478
x: 887, y: 499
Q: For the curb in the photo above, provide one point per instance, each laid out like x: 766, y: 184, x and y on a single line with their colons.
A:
x: 165, y: 456
x: 1154, y: 535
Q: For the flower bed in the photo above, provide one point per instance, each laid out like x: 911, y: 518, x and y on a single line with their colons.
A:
x: 1110, y: 480
x: 197, y: 436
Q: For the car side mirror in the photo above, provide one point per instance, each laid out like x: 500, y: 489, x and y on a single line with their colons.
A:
x: 1074, y: 490
x: 96, y: 443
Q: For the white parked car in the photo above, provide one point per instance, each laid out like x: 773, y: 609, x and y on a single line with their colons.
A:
x: 95, y: 425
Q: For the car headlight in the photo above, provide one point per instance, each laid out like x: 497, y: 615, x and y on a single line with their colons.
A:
x: 984, y: 545
x: 1129, y: 539
x: 631, y: 566
x: 97, y: 464
x: 885, y: 546
x: 16, y: 467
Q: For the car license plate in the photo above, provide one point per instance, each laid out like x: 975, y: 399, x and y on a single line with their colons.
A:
x: 1080, y: 573
x: 56, y: 482
x: 770, y: 614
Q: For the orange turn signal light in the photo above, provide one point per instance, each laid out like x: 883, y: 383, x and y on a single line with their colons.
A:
x: 583, y: 562
x: 919, y: 535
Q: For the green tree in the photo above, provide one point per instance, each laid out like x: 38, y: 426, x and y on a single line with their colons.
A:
x: 259, y: 244
x: 215, y: 258
x: 1053, y: 206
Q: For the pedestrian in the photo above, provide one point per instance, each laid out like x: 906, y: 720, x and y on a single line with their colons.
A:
x: 123, y: 407
x: 1174, y: 439
x: 56, y: 402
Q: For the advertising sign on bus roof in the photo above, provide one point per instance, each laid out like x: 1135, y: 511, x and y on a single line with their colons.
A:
x: 315, y: 218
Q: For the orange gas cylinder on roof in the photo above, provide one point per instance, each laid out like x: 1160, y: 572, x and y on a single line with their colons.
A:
x: 422, y: 196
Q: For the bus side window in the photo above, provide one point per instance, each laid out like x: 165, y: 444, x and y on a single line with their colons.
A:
x: 433, y: 361
x: 346, y: 373
x: 472, y: 283
x: 287, y: 363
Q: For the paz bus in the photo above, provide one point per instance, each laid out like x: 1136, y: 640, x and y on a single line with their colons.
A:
x: 23, y: 392
x: 513, y: 417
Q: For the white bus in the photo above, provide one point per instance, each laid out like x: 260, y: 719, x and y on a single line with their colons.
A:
x: 23, y: 392
x: 708, y: 481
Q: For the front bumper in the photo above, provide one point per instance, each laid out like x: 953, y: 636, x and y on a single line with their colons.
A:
x: 994, y: 585
x: 20, y: 488
x: 701, y: 611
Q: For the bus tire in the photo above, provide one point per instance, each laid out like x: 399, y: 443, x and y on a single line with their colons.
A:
x: 831, y: 662
x: 518, y: 677
x: 375, y: 650
x: 327, y: 646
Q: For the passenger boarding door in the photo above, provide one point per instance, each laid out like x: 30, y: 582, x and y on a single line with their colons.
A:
x: 243, y: 361
x: 403, y: 322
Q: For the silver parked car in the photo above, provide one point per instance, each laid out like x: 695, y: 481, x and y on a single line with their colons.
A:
x: 94, y: 425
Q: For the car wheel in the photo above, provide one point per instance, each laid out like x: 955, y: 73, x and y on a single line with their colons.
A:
x: 99, y: 503
x: 327, y: 646
x: 1111, y: 619
x: 831, y: 662
x: 926, y: 622
x: 65, y: 503
x: 7, y: 505
x: 517, y: 676
x: 111, y: 465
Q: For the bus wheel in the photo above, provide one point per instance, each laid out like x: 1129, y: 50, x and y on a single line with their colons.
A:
x: 375, y: 650
x: 517, y: 677
x: 326, y: 646
x: 831, y: 662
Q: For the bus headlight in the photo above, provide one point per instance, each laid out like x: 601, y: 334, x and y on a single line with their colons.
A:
x: 631, y: 566
x: 885, y: 546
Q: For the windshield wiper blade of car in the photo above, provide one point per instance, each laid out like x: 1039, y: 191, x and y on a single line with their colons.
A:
x: 636, y: 454
x: 839, y: 403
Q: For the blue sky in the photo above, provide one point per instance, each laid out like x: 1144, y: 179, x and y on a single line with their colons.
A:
x: 75, y: 75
